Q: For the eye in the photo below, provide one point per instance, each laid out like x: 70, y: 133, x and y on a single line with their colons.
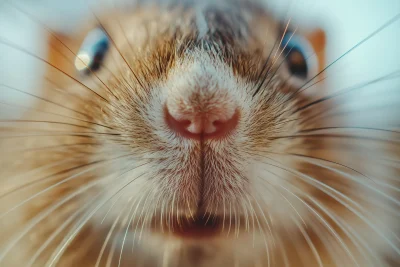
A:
x: 92, y: 51
x: 300, y: 57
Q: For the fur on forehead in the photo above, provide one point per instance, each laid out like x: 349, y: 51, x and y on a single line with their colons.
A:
x: 201, y: 7
x: 196, y: 3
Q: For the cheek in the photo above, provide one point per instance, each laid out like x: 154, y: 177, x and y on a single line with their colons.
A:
x: 276, y: 189
x: 155, y: 112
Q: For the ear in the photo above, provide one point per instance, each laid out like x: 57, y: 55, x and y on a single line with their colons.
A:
x: 61, y: 54
x: 317, y: 39
x: 58, y: 56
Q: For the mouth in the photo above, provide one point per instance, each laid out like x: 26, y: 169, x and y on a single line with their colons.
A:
x: 197, y: 227
x: 200, y: 227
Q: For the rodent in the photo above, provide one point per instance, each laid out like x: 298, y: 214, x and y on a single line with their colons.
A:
x: 188, y: 139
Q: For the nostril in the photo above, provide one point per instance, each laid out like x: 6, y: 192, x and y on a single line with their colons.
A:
x: 185, y: 123
x: 218, y: 123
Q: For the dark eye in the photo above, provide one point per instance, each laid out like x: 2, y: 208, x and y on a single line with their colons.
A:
x: 92, y: 51
x: 299, y: 55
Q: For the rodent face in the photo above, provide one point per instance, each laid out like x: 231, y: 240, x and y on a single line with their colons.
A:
x: 196, y: 139
x: 178, y: 71
x: 169, y: 64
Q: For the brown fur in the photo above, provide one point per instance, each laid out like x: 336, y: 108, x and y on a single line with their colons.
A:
x: 105, y: 118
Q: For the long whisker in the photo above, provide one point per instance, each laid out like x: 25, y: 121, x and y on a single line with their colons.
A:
x: 16, y: 47
x: 93, y: 165
x: 36, y: 20
x: 339, y: 136
x: 44, y: 99
x: 384, y: 26
x: 119, y: 52
x: 44, y: 179
x: 134, y: 214
x: 325, y: 223
x: 332, y: 192
x: 313, y: 160
x: 107, y: 239
x: 69, y: 237
x: 126, y: 232
x: 301, y: 227
x: 60, y: 134
x: 64, y: 225
x: 390, y: 76
x: 312, y: 130
x: 349, y: 232
x: 147, y: 217
x: 47, y: 212
x: 111, y: 253
x: 56, y: 114
x: 46, y: 122
x: 330, y: 113
x: 55, y: 147
x: 277, y: 42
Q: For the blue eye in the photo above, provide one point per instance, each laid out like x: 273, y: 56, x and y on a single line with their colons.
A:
x: 298, y: 52
x: 92, y: 51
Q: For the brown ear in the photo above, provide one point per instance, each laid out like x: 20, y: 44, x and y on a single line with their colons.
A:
x: 317, y: 39
x: 61, y: 53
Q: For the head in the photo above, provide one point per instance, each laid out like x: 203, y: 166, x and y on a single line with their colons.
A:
x: 191, y: 124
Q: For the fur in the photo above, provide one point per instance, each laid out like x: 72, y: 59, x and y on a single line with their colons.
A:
x: 99, y: 179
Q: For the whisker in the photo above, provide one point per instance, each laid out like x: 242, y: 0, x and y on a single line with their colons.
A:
x: 111, y: 253
x: 230, y: 219
x: 111, y: 207
x: 130, y: 220
x: 44, y: 99
x: 254, y: 216
x: 28, y: 184
x: 49, y: 148
x: 310, y: 244
x: 56, y: 114
x: 72, y: 234
x: 107, y: 240
x: 36, y: 20
x: 301, y: 228
x: 134, y: 214
x: 325, y: 115
x: 343, y: 174
x: 312, y: 160
x: 126, y: 232
x: 119, y: 51
x: 338, y: 136
x: 332, y: 192
x: 384, y: 26
x: 325, y: 223
x: 349, y: 232
x: 61, y: 134
x: 283, y: 60
x: 62, y: 227
x: 145, y: 218
x: 266, y: 63
x: 45, y: 122
x: 16, y: 47
x: 95, y: 163
x: 390, y: 76
x: 39, y: 217
x: 281, y: 39
x: 347, y: 128
x: 266, y: 221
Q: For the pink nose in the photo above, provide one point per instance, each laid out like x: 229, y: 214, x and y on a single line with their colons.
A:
x: 213, y: 123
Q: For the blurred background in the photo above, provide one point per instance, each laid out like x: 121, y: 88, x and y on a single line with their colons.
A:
x: 346, y: 23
